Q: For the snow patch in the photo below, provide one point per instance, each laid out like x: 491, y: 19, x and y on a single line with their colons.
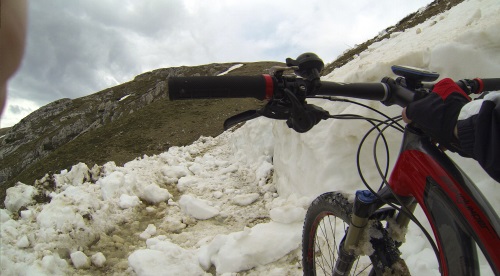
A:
x: 230, y: 69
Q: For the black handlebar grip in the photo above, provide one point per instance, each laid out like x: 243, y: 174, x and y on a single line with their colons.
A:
x: 210, y: 87
x: 491, y: 84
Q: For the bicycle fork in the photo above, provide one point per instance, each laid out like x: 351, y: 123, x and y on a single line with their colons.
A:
x: 366, y: 207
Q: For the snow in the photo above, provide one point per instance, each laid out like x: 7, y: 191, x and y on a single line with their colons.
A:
x: 124, y: 97
x: 98, y: 259
x: 127, y: 201
x: 149, y: 232
x: 80, y: 260
x: 230, y: 69
x: 236, y: 202
x: 256, y: 246
x: 246, y: 199
x: 197, y: 208
x: 19, y: 196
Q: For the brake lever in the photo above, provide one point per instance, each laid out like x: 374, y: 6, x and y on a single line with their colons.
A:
x: 273, y: 110
x: 239, y: 118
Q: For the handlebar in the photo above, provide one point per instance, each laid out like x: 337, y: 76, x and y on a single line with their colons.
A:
x: 287, y: 93
x: 262, y: 87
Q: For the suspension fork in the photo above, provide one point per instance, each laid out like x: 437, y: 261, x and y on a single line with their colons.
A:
x: 365, y: 204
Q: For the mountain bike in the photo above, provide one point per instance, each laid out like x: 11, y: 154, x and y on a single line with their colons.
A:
x: 338, y: 227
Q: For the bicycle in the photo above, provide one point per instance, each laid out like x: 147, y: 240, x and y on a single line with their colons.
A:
x: 460, y: 216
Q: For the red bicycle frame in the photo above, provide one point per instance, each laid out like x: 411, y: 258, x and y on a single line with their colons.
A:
x: 460, y: 216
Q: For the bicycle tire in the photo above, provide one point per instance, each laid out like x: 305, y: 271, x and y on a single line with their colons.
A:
x: 334, y: 205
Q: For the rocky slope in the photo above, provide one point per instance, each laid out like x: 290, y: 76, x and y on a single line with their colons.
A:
x: 118, y: 123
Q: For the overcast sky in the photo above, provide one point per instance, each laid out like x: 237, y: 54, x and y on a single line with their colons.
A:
x: 76, y: 48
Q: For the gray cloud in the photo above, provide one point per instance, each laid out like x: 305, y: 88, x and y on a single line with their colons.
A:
x: 16, y: 109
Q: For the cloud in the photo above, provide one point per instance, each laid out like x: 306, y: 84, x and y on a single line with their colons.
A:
x: 76, y: 48
x: 16, y: 109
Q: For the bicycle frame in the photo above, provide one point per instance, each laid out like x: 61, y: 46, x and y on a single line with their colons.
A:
x: 457, y: 211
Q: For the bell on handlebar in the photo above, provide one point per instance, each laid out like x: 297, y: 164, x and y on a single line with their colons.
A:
x: 309, y: 65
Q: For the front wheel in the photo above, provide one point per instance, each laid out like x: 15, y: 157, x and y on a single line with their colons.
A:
x: 325, y: 226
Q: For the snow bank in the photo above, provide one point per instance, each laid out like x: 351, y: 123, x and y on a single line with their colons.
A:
x: 460, y: 43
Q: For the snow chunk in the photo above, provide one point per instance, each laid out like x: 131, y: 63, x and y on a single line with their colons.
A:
x: 23, y: 242
x: 80, y: 260
x: 19, y: 196
x: 4, y: 215
x: 260, y: 245
x: 197, y: 208
x: 76, y: 176
x: 59, y: 216
x: 218, y: 194
x: 175, y: 171
x: 154, y: 194
x: 50, y: 265
x: 111, y: 184
x: 127, y: 201
x: 186, y: 181
x: 27, y: 214
x: 150, y: 231
x: 163, y: 257
x: 246, y: 199
x: 98, y: 259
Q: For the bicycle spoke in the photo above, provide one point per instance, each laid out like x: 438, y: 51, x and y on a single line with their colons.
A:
x: 360, y: 265
x: 334, y: 238
x: 329, y: 248
x: 319, y: 261
x: 326, y: 240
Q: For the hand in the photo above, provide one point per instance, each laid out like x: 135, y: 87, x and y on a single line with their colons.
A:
x: 437, y: 113
x: 408, y: 121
